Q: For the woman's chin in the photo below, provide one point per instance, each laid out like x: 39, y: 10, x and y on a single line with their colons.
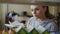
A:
x: 36, y: 17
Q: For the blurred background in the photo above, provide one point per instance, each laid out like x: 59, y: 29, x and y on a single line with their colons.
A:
x: 21, y: 9
x: 24, y: 12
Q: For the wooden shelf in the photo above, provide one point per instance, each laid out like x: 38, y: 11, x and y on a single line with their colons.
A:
x: 29, y: 2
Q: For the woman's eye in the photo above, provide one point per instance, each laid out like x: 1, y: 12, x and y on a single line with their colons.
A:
x: 37, y: 9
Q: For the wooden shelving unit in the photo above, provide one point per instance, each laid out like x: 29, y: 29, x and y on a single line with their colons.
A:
x: 29, y: 2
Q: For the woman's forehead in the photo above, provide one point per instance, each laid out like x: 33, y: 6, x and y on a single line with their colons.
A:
x: 35, y: 6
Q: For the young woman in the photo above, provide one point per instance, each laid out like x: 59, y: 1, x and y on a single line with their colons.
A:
x: 41, y: 18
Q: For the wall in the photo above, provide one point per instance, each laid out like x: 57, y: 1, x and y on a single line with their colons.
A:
x: 3, y: 9
x: 53, y: 10
x: 19, y: 8
x: 58, y: 9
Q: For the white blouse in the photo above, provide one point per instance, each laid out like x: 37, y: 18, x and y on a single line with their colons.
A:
x: 47, y: 24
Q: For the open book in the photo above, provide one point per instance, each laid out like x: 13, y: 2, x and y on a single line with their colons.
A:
x: 16, y: 25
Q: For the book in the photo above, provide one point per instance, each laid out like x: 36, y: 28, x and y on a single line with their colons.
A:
x: 34, y: 31
x: 22, y: 31
x: 42, y: 30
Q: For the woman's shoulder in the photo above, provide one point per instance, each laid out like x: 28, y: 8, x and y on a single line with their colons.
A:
x: 51, y: 22
x: 32, y: 18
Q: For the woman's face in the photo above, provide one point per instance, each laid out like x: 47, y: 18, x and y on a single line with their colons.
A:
x: 37, y: 10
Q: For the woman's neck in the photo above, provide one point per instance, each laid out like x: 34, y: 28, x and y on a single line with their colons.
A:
x: 42, y: 17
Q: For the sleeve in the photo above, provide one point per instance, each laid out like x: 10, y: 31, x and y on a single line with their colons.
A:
x: 29, y: 22
x: 53, y: 28
x: 29, y: 27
